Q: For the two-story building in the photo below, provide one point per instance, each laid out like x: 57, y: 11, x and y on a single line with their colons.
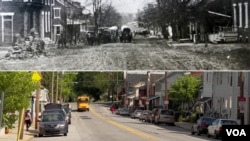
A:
x: 226, y: 91
x: 18, y: 17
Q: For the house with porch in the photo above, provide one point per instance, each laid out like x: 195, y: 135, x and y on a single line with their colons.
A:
x: 18, y: 17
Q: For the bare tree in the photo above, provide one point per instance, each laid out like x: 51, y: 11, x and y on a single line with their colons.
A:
x: 97, y: 9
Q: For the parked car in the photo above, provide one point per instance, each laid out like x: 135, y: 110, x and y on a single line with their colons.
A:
x: 201, y: 125
x: 215, y: 129
x: 136, y: 114
x: 54, y: 107
x: 151, y: 117
x: 67, y: 109
x: 165, y: 116
x: 53, y: 123
x: 124, y: 112
x: 144, y: 115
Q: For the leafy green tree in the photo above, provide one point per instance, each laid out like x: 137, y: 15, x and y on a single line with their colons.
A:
x: 17, y: 87
x: 65, y: 83
x: 185, y: 89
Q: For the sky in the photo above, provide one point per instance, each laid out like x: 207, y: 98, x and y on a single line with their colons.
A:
x: 123, y: 6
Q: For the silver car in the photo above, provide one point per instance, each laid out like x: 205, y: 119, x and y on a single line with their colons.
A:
x: 52, y: 124
x: 165, y: 116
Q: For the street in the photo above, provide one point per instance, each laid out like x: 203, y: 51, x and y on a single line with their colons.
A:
x: 100, y: 124
x: 141, y: 54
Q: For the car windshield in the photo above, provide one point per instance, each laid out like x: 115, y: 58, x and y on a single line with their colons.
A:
x: 51, y: 117
x: 54, y: 111
x: 167, y: 112
x: 228, y: 122
x: 208, y: 120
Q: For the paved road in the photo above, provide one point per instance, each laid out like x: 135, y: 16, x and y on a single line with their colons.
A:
x: 99, y: 124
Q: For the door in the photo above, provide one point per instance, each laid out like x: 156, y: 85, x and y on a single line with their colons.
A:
x: 8, y: 29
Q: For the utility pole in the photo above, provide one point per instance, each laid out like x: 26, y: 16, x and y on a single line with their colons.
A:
x: 148, y: 85
x: 117, y: 94
x: 61, y: 88
x: 52, y: 88
x: 166, y: 101
x: 56, y: 86
x: 38, y: 93
x: 125, y: 86
x: 241, y: 96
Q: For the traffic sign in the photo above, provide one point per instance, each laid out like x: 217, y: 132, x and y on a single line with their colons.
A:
x: 166, y: 101
x: 36, y: 76
x: 242, y: 101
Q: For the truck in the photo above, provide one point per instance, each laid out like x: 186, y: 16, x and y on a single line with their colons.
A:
x: 83, y: 103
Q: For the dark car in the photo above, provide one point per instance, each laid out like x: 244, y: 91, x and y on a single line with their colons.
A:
x: 67, y: 109
x: 54, y: 107
x: 52, y: 124
x: 201, y: 125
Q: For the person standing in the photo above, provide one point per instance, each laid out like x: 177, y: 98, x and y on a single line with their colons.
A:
x: 28, y: 119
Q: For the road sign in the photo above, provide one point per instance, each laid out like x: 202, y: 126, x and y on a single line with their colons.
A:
x: 166, y: 101
x: 36, y: 76
x: 242, y: 101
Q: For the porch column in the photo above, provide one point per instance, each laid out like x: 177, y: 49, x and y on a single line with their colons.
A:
x: 235, y: 17
x: 246, y: 14
x: 35, y: 20
x: 240, y: 14
x: 42, y: 24
x: 25, y: 29
x: 2, y: 28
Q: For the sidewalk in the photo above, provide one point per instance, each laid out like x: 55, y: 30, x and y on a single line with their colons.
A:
x: 12, y: 136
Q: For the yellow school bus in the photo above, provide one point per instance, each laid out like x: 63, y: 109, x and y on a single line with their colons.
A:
x: 83, y: 103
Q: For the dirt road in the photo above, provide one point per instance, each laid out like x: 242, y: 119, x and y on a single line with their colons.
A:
x: 139, y: 55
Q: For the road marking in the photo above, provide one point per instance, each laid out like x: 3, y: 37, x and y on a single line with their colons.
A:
x: 134, y: 131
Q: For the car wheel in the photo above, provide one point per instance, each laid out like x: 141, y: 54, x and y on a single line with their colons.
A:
x: 65, y: 134
x: 215, y: 135
x: 192, y: 131
x: 198, y: 132
x: 208, y: 135
x: 40, y: 135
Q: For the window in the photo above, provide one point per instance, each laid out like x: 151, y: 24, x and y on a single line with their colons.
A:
x: 57, y: 13
x: 52, y: 2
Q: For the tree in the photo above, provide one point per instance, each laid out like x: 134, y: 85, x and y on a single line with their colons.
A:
x: 18, y: 87
x: 185, y: 89
x: 110, y: 16
x: 65, y: 86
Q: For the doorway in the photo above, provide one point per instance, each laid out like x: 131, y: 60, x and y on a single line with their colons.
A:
x: 7, y: 27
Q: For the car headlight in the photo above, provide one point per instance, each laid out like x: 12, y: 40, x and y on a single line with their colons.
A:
x: 60, y: 125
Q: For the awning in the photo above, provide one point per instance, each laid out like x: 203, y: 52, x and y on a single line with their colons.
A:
x: 204, y: 100
x: 154, y: 97
x: 219, y: 14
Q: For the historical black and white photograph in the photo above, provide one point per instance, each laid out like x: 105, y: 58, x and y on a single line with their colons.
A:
x: 124, y: 35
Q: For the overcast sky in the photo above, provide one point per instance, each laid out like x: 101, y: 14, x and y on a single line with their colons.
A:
x: 124, y: 6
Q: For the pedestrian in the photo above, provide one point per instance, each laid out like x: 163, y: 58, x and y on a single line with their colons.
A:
x: 28, y: 119
x: 112, y: 109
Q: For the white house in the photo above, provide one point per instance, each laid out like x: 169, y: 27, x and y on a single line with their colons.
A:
x: 226, y: 93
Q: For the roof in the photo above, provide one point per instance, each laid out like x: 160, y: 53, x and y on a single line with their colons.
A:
x: 204, y: 99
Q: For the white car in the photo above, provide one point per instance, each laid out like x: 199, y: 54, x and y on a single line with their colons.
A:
x: 124, y: 112
x: 216, y: 127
